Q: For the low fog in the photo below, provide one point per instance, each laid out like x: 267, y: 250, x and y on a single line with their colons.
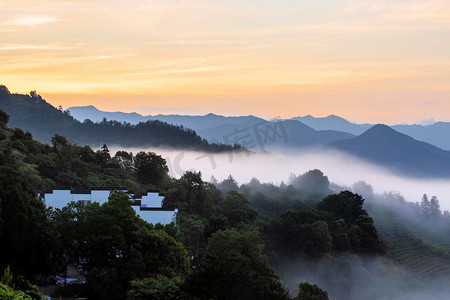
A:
x: 350, y: 277
x: 341, y: 169
x: 346, y: 276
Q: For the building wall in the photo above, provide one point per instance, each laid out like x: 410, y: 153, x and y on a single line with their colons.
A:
x: 100, y: 196
x: 152, y: 200
x: 58, y: 198
x: 158, y: 216
x: 78, y: 197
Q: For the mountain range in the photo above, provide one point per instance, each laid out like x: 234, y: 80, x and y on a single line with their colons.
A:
x: 256, y: 134
x: 215, y: 127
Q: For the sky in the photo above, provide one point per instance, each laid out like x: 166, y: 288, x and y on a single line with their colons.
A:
x: 385, y: 61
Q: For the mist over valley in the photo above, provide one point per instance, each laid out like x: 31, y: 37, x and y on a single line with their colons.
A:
x: 342, y: 169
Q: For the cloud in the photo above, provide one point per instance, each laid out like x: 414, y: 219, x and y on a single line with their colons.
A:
x: 426, y: 122
x: 31, y: 20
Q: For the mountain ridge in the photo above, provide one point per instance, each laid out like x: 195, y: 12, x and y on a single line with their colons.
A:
x: 399, y: 152
x: 43, y: 121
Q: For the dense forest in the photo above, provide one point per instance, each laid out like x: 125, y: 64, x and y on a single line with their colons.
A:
x: 34, y: 114
x: 230, y: 242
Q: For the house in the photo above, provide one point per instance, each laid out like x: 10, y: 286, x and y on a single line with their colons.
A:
x: 149, y: 207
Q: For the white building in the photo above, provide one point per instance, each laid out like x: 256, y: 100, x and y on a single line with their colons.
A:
x: 149, y: 207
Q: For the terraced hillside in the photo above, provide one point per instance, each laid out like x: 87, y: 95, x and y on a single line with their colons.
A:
x: 423, y: 252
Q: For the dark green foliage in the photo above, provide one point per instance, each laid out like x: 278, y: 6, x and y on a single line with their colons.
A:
x: 4, y: 118
x: 293, y: 234
x: 352, y: 225
x: 368, y: 240
x: 191, y: 194
x: 271, y: 200
x: 24, y: 226
x: 160, y: 287
x: 332, y: 229
x: 125, y: 161
x: 7, y: 292
x: 8, y: 282
x: 234, y: 267
x: 150, y: 168
x: 28, y: 288
x: 7, y: 277
x: 345, y: 205
x: 68, y: 235
x: 237, y: 210
x: 309, y: 291
x: 66, y: 165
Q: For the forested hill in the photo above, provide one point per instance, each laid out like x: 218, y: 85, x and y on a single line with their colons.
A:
x: 32, y: 113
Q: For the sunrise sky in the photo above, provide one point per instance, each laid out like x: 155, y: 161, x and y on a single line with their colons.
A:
x: 368, y: 61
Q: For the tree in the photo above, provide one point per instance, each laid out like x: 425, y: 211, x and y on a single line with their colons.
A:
x: 368, y: 241
x: 234, y: 267
x: 192, y: 195
x: 228, y: 185
x: 59, y: 142
x: 68, y: 223
x: 345, y: 205
x: 150, y: 168
x: 24, y: 225
x: 35, y: 96
x: 125, y: 160
x: 103, y: 155
x: 435, y: 210
x: 236, y: 208
x: 117, y: 247
x: 9, y: 293
x: 312, y: 183
x: 310, y: 291
x: 429, y: 208
x: 293, y: 233
x: 4, y: 118
x: 159, y: 287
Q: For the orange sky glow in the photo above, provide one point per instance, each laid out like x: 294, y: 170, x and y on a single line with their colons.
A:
x: 367, y: 61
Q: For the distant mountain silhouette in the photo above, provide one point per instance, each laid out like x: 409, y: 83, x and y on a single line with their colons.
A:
x: 90, y: 112
x: 248, y: 130
x: 384, y: 146
x: 437, y: 134
x: 196, y: 123
x: 259, y: 134
x: 333, y: 122
x: 214, y: 127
